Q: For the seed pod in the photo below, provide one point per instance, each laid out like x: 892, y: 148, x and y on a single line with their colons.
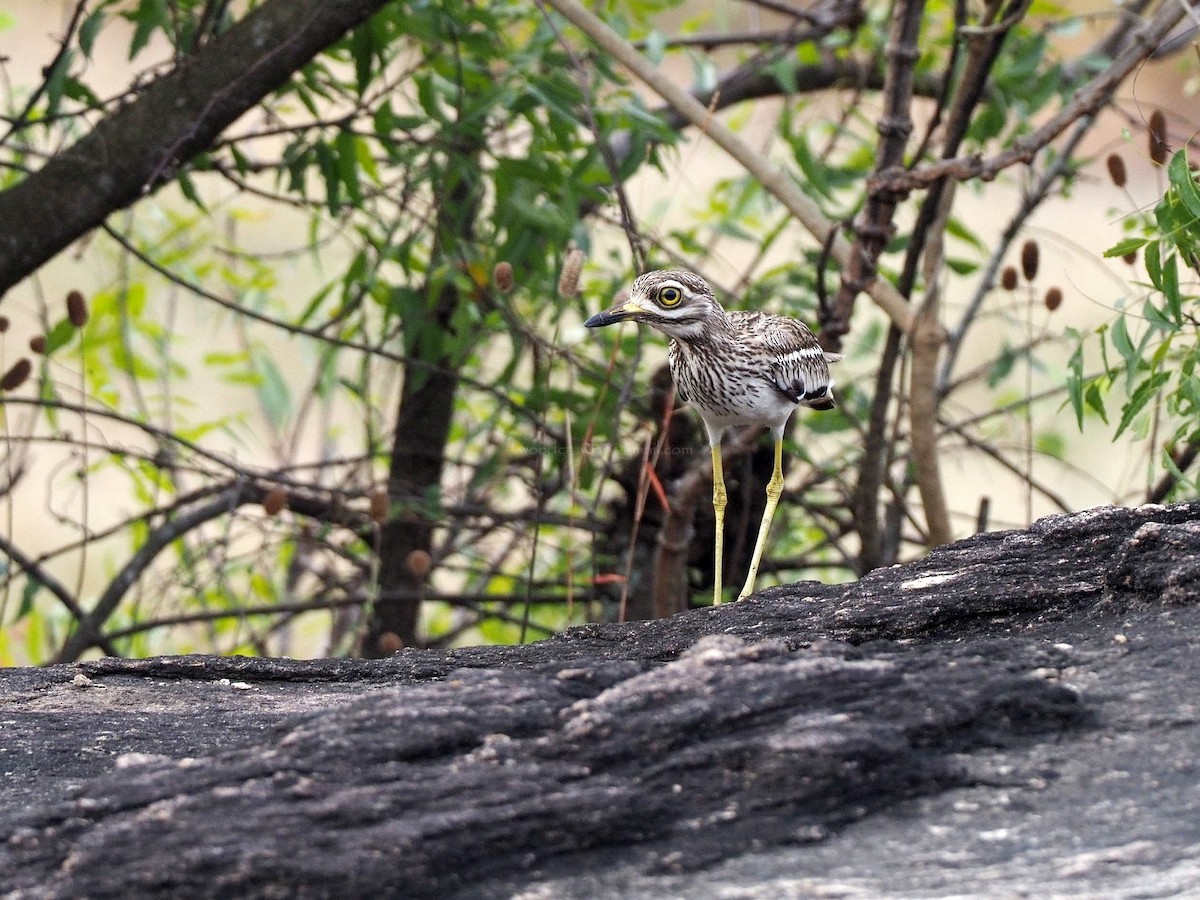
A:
x: 568, y: 281
x: 1029, y: 260
x: 1008, y: 278
x: 389, y: 642
x: 77, y: 310
x: 274, y: 501
x: 1130, y: 257
x: 37, y: 344
x: 503, y: 278
x: 1157, y: 137
x: 1116, y: 170
x: 379, y: 506
x: 419, y: 563
x: 16, y: 375
x: 3, y: 324
x: 1053, y: 299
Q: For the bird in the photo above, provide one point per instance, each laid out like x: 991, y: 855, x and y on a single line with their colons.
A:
x: 736, y: 368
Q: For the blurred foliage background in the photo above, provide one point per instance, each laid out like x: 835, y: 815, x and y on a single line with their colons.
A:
x: 318, y: 384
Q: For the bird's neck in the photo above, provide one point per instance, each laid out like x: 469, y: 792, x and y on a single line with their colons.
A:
x: 709, y: 332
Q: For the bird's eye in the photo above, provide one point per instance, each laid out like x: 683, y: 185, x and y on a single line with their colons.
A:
x: 669, y: 296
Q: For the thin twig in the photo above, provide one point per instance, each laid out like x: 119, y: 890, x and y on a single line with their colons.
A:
x: 777, y: 182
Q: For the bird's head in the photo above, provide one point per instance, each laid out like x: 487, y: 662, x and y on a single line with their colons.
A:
x: 679, y: 304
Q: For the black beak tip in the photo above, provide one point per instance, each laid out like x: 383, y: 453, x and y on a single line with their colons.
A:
x: 599, y: 320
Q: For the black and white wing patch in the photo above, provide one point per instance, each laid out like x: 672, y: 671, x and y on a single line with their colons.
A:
x: 799, y: 367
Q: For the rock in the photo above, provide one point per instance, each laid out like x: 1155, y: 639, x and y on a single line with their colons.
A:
x: 1015, y: 715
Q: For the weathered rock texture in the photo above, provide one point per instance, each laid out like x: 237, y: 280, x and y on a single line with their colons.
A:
x: 1017, y: 715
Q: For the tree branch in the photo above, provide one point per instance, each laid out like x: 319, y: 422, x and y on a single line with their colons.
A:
x: 928, y: 337
x: 776, y: 181
x: 874, y: 226
x: 89, y: 631
x: 1090, y: 99
x: 35, y: 572
x: 137, y: 149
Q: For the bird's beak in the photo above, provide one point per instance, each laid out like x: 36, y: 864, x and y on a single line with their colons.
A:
x: 630, y: 309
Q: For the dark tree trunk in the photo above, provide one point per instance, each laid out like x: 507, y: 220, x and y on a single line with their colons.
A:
x: 423, y: 421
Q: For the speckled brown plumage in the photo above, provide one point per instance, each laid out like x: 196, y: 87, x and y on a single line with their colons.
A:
x: 735, y: 368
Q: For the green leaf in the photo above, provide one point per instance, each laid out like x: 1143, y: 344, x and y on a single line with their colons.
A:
x: 188, y: 187
x: 1170, y: 289
x: 56, y: 82
x: 1095, y: 399
x: 331, y: 173
x: 32, y: 586
x: 1002, y: 367
x: 1180, y: 174
x: 1052, y: 444
x: 1153, y: 263
x: 988, y: 123
x: 87, y: 31
x: 273, y: 392
x: 59, y: 336
x: 1123, y: 343
x: 150, y: 16
x: 960, y: 266
x: 347, y: 158
x: 1125, y: 247
x: 1146, y: 391
x: 362, y: 50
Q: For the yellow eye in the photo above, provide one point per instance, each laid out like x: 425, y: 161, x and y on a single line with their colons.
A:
x: 669, y: 296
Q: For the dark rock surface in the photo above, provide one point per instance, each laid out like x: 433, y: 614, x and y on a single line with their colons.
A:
x: 1016, y: 716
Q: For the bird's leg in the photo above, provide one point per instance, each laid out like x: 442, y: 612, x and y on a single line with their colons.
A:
x: 719, y: 516
x: 774, y: 490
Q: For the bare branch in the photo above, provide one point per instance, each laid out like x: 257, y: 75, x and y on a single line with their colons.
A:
x: 928, y: 337
x: 874, y: 226
x: 136, y: 149
x: 1089, y: 100
x: 777, y: 182
x: 36, y: 573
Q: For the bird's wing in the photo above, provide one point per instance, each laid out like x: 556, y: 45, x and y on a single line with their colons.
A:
x: 799, y: 367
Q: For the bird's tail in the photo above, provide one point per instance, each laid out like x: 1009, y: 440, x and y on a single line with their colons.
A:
x: 820, y: 397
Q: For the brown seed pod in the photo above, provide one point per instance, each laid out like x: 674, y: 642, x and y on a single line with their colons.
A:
x: 503, y: 277
x: 568, y: 281
x: 1053, y: 299
x: 37, y: 344
x: 1116, y: 169
x: 16, y: 375
x: 274, y: 501
x: 1029, y: 260
x: 1157, y: 137
x: 3, y: 324
x: 389, y: 642
x: 1008, y: 278
x: 77, y: 310
x: 380, y: 504
x: 1130, y: 257
x: 419, y: 562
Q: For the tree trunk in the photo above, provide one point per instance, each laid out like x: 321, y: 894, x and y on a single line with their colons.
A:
x: 423, y: 420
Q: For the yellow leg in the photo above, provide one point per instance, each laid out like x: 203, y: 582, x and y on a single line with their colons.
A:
x: 719, y: 514
x: 774, y: 489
